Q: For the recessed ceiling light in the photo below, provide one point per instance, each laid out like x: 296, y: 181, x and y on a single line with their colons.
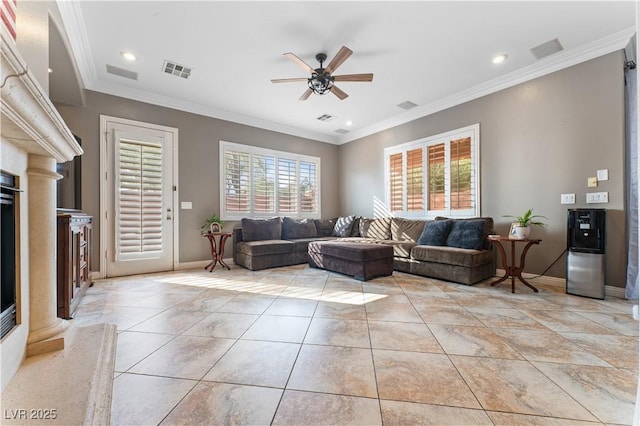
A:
x: 349, y: 123
x: 128, y: 56
x: 499, y: 59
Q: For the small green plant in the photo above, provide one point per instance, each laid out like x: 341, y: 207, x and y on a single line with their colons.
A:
x: 213, y: 219
x: 528, y: 219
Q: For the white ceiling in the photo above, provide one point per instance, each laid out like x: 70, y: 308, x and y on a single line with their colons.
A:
x: 435, y: 54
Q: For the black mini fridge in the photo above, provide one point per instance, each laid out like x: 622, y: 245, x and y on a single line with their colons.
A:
x: 586, y: 237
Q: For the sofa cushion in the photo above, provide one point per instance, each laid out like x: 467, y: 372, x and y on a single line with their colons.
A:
x: 435, y: 233
x: 467, y: 234
x: 302, y: 228
x: 379, y: 229
x: 355, y: 229
x: 261, y: 229
x: 343, y: 226
x: 452, y: 255
x: 406, y: 229
x: 356, y: 252
x: 488, y: 228
x: 324, y: 228
x: 265, y: 247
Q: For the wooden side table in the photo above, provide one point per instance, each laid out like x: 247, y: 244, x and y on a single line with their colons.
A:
x: 512, y: 270
x: 217, y: 248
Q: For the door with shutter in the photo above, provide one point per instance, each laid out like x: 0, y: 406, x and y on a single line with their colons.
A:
x: 140, y: 199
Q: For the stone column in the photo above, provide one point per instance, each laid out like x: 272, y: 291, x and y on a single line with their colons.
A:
x: 45, y: 328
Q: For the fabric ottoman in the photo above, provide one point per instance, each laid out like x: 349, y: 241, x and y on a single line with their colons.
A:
x: 363, y: 261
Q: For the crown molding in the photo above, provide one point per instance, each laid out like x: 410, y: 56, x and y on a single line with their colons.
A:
x: 553, y: 63
x: 195, y: 108
x: 75, y: 27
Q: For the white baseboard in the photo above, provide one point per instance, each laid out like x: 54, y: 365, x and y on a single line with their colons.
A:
x: 609, y: 290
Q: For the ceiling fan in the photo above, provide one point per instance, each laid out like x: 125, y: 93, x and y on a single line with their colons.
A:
x: 321, y: 80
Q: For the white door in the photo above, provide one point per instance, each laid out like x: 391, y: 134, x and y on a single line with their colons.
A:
x: 139, y: 203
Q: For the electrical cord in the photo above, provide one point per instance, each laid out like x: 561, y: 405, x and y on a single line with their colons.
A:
x: 13, y: 75
x: 549, y: 267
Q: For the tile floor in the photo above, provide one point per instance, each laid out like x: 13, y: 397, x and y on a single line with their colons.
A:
x: 300, y: 346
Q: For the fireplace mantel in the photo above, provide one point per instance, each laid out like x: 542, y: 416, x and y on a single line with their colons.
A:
x: 29, y: 119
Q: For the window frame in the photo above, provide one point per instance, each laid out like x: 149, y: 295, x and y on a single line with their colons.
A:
x: 473, y: 132
x: 278, y: 156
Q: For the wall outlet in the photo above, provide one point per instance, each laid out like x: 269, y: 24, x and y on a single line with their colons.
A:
x: 597, y: 197
x: 186, y: 205
x: 602, y: 174
x: 592, y: 182
x: 567, y: 198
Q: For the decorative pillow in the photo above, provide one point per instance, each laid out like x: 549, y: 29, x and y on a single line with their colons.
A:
x: 380, y: 229
x: 355, y: 229
x: 488, y: 228
x: 467, y: 234
x: 343, y: 226
x: 435, y: 233
x: 303, y: 228
x: 261, y: 229
x: 324, y: 228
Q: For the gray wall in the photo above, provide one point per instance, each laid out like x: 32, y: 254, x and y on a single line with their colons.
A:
x: 198, y: 164
x: 537, y: 140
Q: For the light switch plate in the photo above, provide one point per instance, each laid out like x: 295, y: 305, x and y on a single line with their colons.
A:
x: 592, y: 182
x: 567, y: 198
x: 186, y: 205
x: 603, y: 174
x: 597, y: 197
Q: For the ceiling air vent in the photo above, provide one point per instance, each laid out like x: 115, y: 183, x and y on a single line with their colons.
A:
x: 407, y: 105
x: 546, y: 49
x: 122, y: 72
x: 342, y: 131
x: 326, y: 117
x: 177, y: 69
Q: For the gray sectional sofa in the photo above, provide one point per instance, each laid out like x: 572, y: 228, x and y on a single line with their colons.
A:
x: 449, y: 249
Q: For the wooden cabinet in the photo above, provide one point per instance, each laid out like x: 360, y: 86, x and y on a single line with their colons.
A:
x: 74, y: 259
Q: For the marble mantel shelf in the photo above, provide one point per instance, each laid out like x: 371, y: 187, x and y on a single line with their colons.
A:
x: 29, y: 119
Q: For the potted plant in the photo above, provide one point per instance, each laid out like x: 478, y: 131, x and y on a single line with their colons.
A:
x: 521, y: 228
x: 212, y: 224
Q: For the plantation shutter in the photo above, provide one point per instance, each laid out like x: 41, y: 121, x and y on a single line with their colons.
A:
x: 139, y: 201
x: 437, y: 186
x: 396, y: 192
x: 415, y: 194
x: 462, y: 185
x: 287, y: 186
x: 308, y: 187
x: 237, y: 168
x: 264, y: 177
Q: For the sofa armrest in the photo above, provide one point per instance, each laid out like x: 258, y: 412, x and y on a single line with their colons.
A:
x: 237, y: 237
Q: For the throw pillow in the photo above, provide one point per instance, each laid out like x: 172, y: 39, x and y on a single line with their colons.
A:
x: 303, y: 228
x: 355, y: 229
x: 261, y: 229
x: 343, y: 226
x: 435, y: 233
x: 467, y: 234
x: 324, y: 228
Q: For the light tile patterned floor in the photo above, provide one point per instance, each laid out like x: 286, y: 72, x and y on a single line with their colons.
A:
x: 300, y: 346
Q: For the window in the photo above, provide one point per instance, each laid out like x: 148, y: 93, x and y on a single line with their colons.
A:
x: 260, y: 182
x: 438, y: 175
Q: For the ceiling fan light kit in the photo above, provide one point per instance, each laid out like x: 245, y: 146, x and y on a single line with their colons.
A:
x: 321, y: 81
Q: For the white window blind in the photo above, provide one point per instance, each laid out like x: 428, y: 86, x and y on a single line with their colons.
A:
x: 139, y: 201
x: 260, y: 182
x: 438, y: 175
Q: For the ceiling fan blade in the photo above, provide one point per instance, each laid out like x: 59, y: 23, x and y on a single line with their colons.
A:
x: 340, y: 57
x: 305, y: 95
x: 353, y: 77
x: 299, y: 61
x: 339, y: 93
x: 288, y: 80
